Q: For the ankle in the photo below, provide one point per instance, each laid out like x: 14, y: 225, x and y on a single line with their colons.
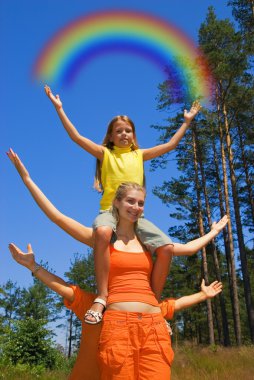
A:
x: 102, y: 296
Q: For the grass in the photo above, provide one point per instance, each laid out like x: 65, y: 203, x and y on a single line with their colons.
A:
x: 190, y: 363
x: 24, y: 372
x: 21, y: 375
x: 213, y: 363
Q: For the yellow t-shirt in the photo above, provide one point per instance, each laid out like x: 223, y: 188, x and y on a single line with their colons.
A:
x: 119, y: 165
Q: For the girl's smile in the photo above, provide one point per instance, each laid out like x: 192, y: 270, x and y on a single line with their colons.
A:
x: 131, y: 207
x: 122, y: 134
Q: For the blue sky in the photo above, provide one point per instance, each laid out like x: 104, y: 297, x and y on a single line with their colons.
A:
x: 110, y: 85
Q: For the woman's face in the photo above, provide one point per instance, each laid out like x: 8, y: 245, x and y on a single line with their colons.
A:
x: 131, y: 206
x: 122, y: 134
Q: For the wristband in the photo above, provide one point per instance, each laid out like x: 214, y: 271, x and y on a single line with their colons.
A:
x: 36, y: 268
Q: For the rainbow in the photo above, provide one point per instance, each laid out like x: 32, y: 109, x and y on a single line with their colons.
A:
x: 186, y: 73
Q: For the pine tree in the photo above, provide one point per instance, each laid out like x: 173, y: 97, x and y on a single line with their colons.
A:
x: 81, y: 273
x: 228, y: 66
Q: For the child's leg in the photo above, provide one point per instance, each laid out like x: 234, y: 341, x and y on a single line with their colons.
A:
x: 102, y: 237
x: 161, y: 269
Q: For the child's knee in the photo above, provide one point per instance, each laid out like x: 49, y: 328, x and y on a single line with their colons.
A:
x: 165, y: 252
x: 103, y: 233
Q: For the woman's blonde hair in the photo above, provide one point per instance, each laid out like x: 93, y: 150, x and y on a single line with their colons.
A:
x: 122, y: 192
x: 110, y: 145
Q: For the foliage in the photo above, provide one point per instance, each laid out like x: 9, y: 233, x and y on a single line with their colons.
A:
x: 24, y: 314
x: 80, y: 273
x: 29, y: 342
x: 215, y: 163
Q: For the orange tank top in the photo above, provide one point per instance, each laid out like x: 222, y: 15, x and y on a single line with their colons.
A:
x: 129, y: 277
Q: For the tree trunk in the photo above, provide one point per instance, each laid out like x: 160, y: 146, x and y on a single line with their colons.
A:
x: 202, y: 233
x: 247, y: 175
x: 226, y: 340
x: 239, y: 229
x: 233, y: 284
x: 70, y: 334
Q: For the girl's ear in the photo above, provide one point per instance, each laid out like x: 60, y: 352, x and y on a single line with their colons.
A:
x: 116, y: 203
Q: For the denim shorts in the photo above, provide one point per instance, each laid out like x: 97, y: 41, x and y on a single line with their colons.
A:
x: 150, y: 235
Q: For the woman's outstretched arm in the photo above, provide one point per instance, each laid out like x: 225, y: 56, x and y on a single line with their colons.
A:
x: 206, y: 292
x: 52, y: 281
x: 77, y: 230
x: 194, y: 246
x: 170, y: 306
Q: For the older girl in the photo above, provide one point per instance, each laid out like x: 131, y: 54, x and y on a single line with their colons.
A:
x: 134, y: 342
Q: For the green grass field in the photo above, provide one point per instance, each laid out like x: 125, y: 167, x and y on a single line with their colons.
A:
x: 213, y: 363
x: 191, y: 363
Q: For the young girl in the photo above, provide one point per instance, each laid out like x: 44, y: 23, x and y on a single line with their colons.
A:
x: 119, y: 159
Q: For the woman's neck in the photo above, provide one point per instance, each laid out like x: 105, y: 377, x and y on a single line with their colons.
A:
x: 125, y: 231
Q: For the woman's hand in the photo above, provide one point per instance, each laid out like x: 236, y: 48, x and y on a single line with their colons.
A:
x: 211, y: 290
x: 54, y: 99
x: 218, y: 226
x: 23, y: 172
x: 26, y: 259
x: 195, y: 108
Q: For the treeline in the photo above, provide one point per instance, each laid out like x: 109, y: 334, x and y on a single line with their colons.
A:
x: 25, y: 315
x: 30, y: 319
x: 215, y: 162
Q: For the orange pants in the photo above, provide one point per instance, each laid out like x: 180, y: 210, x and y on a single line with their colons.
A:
x: 134, y: 346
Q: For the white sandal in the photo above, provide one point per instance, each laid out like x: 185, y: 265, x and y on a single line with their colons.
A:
x: 97, y: 315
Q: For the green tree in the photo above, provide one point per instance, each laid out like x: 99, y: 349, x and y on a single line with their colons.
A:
x: 229, y: 67
x: 10, y: 301
x: 243, y: 12
x: 30, y: 342
x: 24, y: 315
x: 81, y: 273
x: 210, y: 160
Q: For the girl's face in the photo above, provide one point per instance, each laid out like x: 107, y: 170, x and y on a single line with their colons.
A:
x: 122, y: 134
x: 131, y: 206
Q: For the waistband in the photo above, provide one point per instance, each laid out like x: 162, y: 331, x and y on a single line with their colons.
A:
x: 113, y: 315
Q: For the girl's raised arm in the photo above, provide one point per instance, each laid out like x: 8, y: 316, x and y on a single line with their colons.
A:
x: 156, y: 151
x: 91, y: 147
x: 52, y: 281
x: 69, y: 225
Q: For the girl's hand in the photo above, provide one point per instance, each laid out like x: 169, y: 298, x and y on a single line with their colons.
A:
x: 188, y: 116
x: 54, y: 99
x: 25, y: 259
x: 18, y: 164
x: 211, y: 290
x: 218, y: 226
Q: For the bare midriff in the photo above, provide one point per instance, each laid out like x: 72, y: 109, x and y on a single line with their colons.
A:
x: 134, y: 307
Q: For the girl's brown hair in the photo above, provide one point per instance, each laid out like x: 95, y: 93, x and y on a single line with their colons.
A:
x: 110, y: 145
